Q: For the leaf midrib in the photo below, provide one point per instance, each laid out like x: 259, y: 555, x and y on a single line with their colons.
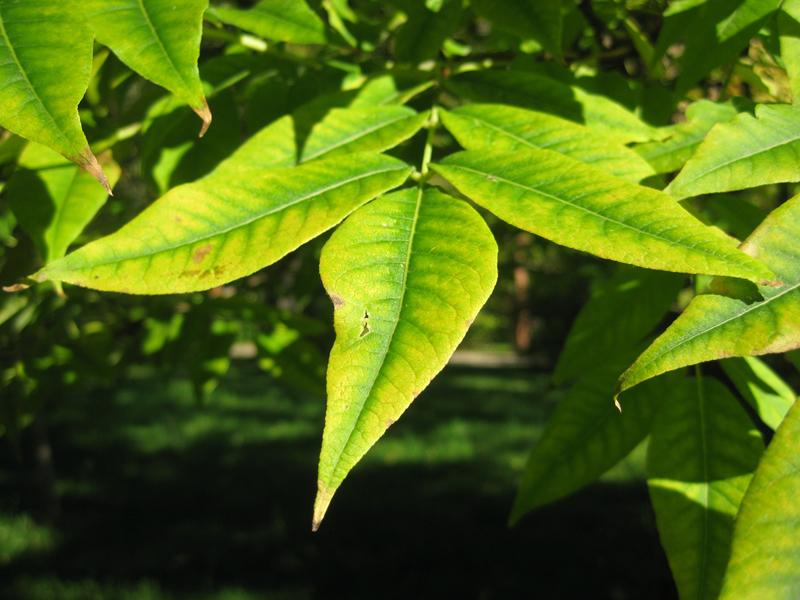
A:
x: 384, y: 351
x: 355, y: 136
x: 591, y: 212
x: 240, y: 225
x: 157, y: 37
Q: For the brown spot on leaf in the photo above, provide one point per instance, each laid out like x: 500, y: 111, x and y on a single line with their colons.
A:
x: 337, y: 300
x: 201, y: 253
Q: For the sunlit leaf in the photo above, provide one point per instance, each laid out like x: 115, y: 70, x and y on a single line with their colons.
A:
x: 496, y: 127
x: 581, y: 207
x: 789, y: 30
x: 763, y: 388
x: 765, y: 562
x: 716, y: 326
x: 45, y: 65
x: 281, y: 20
x: 702, y: 453
x: 535, y: 91
x: 54, y: 199
x: 159, y: 39
x: 227, y: 225
x: 744, y: 153
x: 407, y: 275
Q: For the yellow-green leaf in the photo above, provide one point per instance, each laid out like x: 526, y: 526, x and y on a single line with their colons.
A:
x: 407, y: 274
x: 159, y: 39
x: 497, y: 127
x: 765, y: 390
x: 746, y: 152
x: 280, y: 20
x: 765, y: 562
x: 715, y: 325
x: 227, y: 225
x: 581, y: 207
x: 45, y: 65
x: 702, y: 453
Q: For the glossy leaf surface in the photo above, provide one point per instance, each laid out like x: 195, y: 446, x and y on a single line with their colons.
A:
x: 703, y: 451
x: 581, y: 207
x: 715, y: 325
x: 407, y: 274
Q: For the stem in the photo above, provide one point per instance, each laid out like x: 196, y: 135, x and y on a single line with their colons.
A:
x: 433, y: 124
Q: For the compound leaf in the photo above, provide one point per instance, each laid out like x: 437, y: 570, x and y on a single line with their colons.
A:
x: 159, y: 39
x: 703, y: 451
x: 765, y: 561
x: 407, y: 275
x: 716, y: 326
x: 227, y: 225
x: 746, y: 152
x: 45, y: 66
x: 497, y: 127
x: 579, y: 206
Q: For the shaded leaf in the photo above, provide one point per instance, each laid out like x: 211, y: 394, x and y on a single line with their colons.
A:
x: 45, y: 66
x: 159, y: 39
x: 421, y: 37
x: 716, y: 326
x: 535, y: 91
x: 54, y: 199
x: 496, y: 127
x: 703, y: 451
x: 581, y: 207
x: 281, y: 20
x: 744, y: 153
x: 407, y: 275
x: 540, y: 20
x: 227, y: 225
x: 765, y: 561
x: 763, y: 388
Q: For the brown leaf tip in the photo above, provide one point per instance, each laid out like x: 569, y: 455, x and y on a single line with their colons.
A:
x: 17, y: 287
x: 90, y: 164
x: 204, y: 112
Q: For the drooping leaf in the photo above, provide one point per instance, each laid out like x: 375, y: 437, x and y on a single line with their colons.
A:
x: 227, y: 225
x: 540, y: 20
x: 763, y: 388
x: 789, y: 30
x: 744, y: 153
x: 496, y: 127
x: 671, y: 154
x: 765, y: 562
x: 541, y: 93
x: 585, y: 436
x: 715, y: 325
x: 602, y: 329
x: 280, y: 20
x: 45, y: 65
x: 581, y: 207
x: 703, y: 451
x: 54, y: 199
x: 407, y: 275
x: 159, y: 39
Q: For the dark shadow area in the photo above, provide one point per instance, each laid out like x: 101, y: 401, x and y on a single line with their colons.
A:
x: 163, y: 498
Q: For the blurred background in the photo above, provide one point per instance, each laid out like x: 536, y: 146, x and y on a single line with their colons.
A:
x: 166, y: 447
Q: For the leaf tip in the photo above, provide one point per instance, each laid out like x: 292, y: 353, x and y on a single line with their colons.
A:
x: 204, y: 112
x: 17, y: 287
x: 321, y: 504
x: 88, y: 161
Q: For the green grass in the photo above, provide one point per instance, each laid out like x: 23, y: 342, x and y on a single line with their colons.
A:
x: 165, y: 498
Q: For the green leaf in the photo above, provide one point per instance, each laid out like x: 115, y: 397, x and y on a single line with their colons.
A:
x: 280, y: 20
x: 228, y: 225
x: 744, y: 153
x: 763, y: 388
x: 602, y: 329
x: 584, y: 438
x: 581, y: 207
x: 496, y: 127
x: 703, y: 450
x: 45, y: 66
x: 421, y: 37
x: 53, y: 199
x: 716, y: 326
x: 407, y: 275
x: 540, y: 20
x: 765, y: 562
x: 534, y: 91
x: 159, y: 39
x: 671, y: 154
x: 789, y: 32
